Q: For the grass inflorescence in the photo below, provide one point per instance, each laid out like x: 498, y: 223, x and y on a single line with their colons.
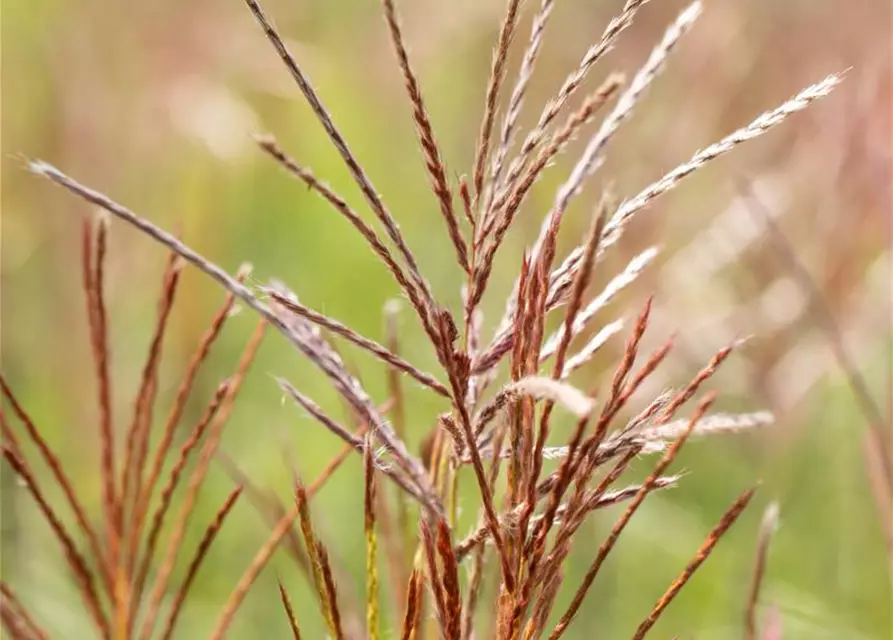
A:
x: 499, y: 396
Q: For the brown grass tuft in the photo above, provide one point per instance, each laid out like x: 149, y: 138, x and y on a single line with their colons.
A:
x: 496, y: 402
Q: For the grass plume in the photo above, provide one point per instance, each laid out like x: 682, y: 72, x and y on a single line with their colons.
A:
x: 494, y: 396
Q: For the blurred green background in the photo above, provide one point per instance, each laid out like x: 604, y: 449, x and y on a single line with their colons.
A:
x: 154, y: 104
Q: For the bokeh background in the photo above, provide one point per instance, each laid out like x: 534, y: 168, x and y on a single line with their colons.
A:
x: 154, y: 103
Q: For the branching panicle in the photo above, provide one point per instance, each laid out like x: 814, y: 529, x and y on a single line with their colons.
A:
x: 481, y: 414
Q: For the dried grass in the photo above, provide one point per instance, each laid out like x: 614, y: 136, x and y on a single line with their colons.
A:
x: 534, y: 528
